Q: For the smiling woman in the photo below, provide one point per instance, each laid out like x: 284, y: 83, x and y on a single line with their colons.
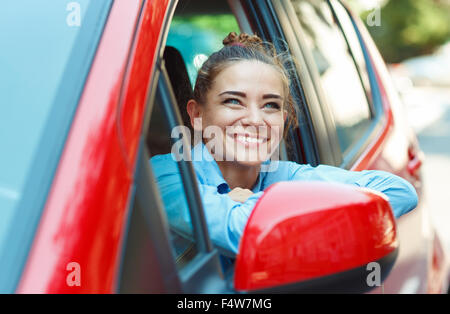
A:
x: 243, y: 90
x: 44, y: 62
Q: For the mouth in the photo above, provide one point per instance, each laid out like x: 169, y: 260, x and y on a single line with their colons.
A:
x: 248, y: 139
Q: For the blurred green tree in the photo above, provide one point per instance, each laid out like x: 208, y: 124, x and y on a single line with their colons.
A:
x: 408, y: 27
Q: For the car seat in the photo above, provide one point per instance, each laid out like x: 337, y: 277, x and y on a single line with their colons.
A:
x: 158, y: 140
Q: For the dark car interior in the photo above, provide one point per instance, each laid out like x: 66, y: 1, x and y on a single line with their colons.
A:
x: 157, y: 141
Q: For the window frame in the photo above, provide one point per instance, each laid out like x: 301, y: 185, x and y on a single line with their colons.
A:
x: 362, y: 143
x: 146, y: 203
x: 379, y: 117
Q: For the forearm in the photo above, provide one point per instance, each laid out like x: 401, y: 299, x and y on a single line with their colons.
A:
x: 402, y: 195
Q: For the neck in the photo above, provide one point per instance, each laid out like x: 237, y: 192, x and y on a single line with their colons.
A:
x: 238, y: 175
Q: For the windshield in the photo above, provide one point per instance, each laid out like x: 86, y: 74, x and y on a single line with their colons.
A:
x: 47, y: 47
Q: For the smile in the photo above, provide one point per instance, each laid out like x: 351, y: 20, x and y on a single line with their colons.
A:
x: 248, y: 139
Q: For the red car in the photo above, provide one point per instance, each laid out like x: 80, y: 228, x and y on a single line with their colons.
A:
x: 90, y: 90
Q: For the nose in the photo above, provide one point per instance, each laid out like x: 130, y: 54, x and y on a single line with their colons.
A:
x: 254, y: 116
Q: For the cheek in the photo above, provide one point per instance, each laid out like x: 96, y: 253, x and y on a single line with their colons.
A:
x: 276, y: 123
x: 220, y: 117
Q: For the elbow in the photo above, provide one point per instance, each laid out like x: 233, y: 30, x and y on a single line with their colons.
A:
x: 411, y: 199
x: 414, y: 198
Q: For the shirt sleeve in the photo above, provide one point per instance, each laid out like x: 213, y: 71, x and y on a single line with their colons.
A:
x: 225, y: 218
x: 401, y: 194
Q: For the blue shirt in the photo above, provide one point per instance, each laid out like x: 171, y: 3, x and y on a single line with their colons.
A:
x: 226, y: 218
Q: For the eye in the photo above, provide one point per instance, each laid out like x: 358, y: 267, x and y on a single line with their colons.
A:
x: 272, y: 105
x: 231, y: 101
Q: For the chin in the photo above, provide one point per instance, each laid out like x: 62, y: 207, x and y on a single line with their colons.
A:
x: 249, y: 155
x: 250, y: 160
x: 250, y: 163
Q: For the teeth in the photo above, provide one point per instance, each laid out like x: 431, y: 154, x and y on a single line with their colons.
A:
x: 249, y: 139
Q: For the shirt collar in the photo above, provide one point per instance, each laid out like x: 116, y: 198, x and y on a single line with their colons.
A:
x: 209, y: 172
x: 206, y: 166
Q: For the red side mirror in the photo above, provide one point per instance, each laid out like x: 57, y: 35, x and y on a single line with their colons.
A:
x: 316, y: 237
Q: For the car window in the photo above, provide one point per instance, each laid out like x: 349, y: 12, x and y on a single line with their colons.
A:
x: 197, y: 30
x: 340, y: 79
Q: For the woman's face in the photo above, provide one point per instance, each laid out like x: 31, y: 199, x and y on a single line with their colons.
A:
x: 244, y: 113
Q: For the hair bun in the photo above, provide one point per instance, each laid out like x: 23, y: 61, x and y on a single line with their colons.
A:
x: 242, y: 39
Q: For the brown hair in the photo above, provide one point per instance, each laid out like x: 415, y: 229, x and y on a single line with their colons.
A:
x: 239, y: 48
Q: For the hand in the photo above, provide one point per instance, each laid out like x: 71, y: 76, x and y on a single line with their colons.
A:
x: 240, y: 194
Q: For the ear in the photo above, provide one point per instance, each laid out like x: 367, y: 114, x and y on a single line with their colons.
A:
x: 285, y: 115
x: 195, y: 112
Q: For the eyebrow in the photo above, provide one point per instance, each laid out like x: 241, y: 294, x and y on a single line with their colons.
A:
x: 241, y: 94
x: 268, y: 96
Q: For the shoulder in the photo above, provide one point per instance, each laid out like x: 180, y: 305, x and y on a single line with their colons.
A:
x: 288, y: 167
x: 167, y: 165
x: 281, y: 170
x: 163, y: 164
x: 165, y: 159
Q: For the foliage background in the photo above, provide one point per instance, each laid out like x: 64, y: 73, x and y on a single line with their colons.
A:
x: 408, y: 28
